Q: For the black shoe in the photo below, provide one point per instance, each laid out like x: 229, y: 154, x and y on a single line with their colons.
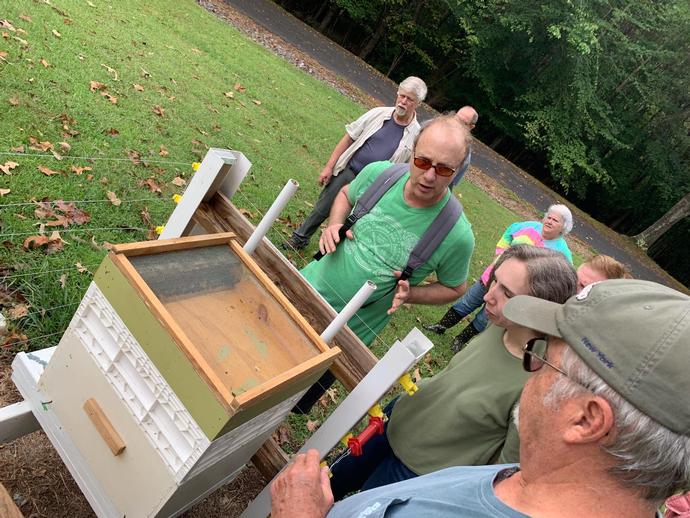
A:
x: 292, y: 244
x: 461, y: 341
x: 448, y: 320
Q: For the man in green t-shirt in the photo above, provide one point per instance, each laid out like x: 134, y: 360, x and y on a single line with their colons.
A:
x: 380, y: 243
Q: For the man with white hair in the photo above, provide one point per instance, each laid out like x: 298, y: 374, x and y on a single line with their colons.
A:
x: 385, y: 133
x: 604, y: 420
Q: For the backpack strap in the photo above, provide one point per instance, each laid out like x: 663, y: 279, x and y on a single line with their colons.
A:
x: 433, y: 236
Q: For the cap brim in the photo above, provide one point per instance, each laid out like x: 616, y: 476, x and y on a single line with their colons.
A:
x: 534, y: 313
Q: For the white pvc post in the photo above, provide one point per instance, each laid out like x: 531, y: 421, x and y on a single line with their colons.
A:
x: 350, y: 309
x: 272, y: 214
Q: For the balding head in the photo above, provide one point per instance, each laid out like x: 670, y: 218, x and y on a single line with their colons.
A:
x: 468, y: 116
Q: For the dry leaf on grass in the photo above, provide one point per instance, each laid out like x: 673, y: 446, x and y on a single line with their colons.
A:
x: 113, y: 198
x: 17, y: 149
x: 8, y: 166
x: 4, y: 191
x: 134, y: 156
x: 146, y: 216
x: 179, y: 181
x: 163, y: 150
x: 44, y: 63
x: 47, y: 171
x: 65, y: 147
x: 34, y: 143
x: 229, y: 95
x: 14, y: 338
x: 138, y: 87
x: 312, y: 425
x: 81, y: 268
x: 14, y: 100
x: 257, y: 102
x: 25, y: 17
x: 239, y: 88
x: 79, y: 170
x: 18, y: 311
x: 94, y: 86
x: 159, y: 110
x: 151, y: 185
x: 112, y: 132
x: 111, y: 98
x: 63, y: 212
x: 57, y: 155
x: 56, y: 33
x: 282, y: 435
x: 247, y: 213
x: 49, y: 244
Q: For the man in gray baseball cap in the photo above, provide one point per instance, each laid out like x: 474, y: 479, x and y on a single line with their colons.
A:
x: 604, y: 421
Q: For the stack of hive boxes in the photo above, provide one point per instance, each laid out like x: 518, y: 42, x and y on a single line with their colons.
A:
x: 181, y: 360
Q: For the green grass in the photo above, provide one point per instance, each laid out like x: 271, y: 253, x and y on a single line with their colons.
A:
x: 186, y: 60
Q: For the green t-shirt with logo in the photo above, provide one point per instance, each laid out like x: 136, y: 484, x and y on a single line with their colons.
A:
x: 382, y: 244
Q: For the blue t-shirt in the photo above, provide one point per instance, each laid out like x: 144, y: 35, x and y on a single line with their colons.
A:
x: 380, y: 146
x: 462, y: 491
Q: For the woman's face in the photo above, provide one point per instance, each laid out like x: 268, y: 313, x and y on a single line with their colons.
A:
x: 552, y: 226
x: 510, y: 280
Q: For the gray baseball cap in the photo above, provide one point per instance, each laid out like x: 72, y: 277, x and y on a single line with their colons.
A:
x: 634, y: 334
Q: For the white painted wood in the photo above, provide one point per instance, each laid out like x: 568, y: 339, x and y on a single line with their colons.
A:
x: 26, y: 370
x: 271, y: 215
x: 16, y: 421
x: 220, y: 169
x: 398, y: 360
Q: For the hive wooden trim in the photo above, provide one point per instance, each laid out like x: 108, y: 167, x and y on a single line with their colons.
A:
x: 169, y: 245
x: 104, y: 427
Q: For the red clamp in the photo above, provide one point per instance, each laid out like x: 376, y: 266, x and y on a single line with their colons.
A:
x: 375, y: 427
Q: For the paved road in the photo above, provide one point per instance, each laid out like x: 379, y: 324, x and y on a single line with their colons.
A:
x: 345, y: 64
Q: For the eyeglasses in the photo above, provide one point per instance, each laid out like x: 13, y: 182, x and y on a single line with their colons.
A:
x: 534, y: 356
x: 426, y: 164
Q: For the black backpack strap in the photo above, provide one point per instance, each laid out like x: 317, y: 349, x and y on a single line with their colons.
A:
x: 433, y: 236
x: 370, y: 197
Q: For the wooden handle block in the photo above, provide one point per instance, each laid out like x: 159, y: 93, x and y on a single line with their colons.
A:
x: 104, y: 426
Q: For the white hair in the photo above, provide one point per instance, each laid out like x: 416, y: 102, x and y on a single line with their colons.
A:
x: 415, y: 85
x: 565, y: 214
x: 650, y: 457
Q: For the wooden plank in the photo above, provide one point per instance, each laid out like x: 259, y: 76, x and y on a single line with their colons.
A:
x: 279, y: 296
x: 270, y: 459
x: 226, y: 398
x: 104, y: 427
x: 355, y: 360
x: 168, y: 245
x: 8, y: 509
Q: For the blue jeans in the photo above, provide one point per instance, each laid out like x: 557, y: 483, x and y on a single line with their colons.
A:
x: 377, y: 466
x: 471, y: 300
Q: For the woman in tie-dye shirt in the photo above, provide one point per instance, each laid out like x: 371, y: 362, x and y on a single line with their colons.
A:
x: 547, y: 233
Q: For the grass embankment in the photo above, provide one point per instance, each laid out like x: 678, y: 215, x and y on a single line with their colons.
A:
x: 127, y: 96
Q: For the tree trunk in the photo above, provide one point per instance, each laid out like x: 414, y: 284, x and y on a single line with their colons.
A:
x: 373, y: 41
x: 327, y: 20
x: 680, y: 210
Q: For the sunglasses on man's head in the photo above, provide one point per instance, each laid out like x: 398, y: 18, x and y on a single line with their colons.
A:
x: 426, y: 164
x: 534, y: 357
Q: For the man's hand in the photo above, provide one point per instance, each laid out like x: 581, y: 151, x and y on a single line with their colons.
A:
x: 330, y: 238
x: 302, y: 490
x: 325, y: 175
x: 402, y: 293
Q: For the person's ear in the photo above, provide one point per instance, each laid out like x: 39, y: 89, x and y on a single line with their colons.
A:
x: 589, y: 419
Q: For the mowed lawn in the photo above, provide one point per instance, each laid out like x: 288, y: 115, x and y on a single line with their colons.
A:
x: 105, y: 105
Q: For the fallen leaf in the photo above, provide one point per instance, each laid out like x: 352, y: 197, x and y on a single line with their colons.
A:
x: 196, y: 51
x: 7, y: 25
x: 40, y: 146
x: 239, y: 88
x: 51, y: 244
x: 111, y: 71
x: 14, y: 100
x: 151, y: 184
x: 96, y: 85
x: 163, y: 150
x: 79, y: 170
x: 46, y: 171
x: 111, y: 98
x: 64, y: 213
x: 283, y: 435
x: 64, y: 147
x: 56, y: 33
x: 229, y: 95
x: 138, y: 87
x: 159, y: 110
x: 57, y: 155
x: 89, y: 177
x: 4, y: 191
x: 25, y: 17
x: 134, y: 156
x: 113, y: 198
x: 246, y: 213
x: 14, y: 339
x: 3, y: 55
x: 145, y: 216
x: 312, y: 425
x: 81, y: 268
x: 179, y: 181
x: 255, y: 101
x: 107, y: 246
x: 112, y: 132
x: 63, y: 280
x: 18, y: 149
x: 8, y: 166
x: 18, y: 311
x: 104, y: 181
x: 44, y: 63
